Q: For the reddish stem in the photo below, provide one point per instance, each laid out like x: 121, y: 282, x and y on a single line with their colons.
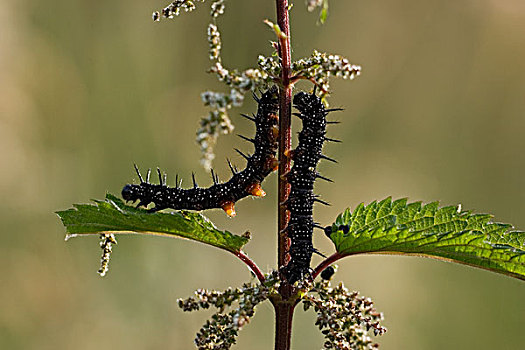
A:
x: 325, y: 263
x: 251, y: 264
x: 284, y: 305
x: 283, y: 323
x: 285, y: 103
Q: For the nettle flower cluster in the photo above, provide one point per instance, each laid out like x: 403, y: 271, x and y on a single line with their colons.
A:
x: 106, y: 244
x: 345, y: 318
x: 318, y: 68
x: 221, y: 331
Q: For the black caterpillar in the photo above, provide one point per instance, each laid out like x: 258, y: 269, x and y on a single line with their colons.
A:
x: 221, y: 195
x: 302, y: 177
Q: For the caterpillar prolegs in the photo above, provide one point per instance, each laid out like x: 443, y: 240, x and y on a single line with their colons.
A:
x: 221, y: 195
x: 301, y: 178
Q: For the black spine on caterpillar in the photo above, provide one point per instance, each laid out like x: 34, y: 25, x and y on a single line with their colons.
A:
x: 301, y: 178
x: 221, y: 195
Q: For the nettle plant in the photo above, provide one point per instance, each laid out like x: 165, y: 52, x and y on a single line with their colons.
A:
x: 346, y: 319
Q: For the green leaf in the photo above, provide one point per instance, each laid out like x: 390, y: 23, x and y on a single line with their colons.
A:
x: 114, y: 216
x: 448, y: 233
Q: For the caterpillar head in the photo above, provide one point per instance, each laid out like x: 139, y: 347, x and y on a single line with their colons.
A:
x: 304, y: 101
x: 132, y: 192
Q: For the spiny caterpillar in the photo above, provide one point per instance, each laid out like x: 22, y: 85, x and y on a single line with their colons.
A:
x: 221, y: 195
x: 302, y: 177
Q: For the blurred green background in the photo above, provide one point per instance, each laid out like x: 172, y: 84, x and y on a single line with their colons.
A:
x: 88, y: 88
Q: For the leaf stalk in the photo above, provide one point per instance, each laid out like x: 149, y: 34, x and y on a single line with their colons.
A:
x: 251, y: 265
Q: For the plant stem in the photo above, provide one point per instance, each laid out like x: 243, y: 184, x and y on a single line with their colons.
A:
x: 283, y: 323
x: 284, y: 307
x: 285, y: 101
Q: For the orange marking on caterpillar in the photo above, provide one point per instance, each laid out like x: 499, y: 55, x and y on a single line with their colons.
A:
x: 229, y: 208
x: 271, y: 163
x: 275, y: 133
x: 289, y: 153
x: 256, y: 190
